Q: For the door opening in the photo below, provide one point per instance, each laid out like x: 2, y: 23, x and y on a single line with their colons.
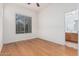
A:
x: 71, y: 29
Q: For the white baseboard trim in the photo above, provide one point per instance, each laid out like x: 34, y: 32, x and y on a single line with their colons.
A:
x: 61, y: 43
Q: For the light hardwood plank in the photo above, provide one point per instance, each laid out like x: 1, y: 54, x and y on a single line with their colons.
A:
x: 37, y: 47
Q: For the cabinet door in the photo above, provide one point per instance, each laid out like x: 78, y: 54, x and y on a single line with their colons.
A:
x: 74, y: 37
x: 68, y: 36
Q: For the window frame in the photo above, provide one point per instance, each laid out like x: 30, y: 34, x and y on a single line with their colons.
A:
x: 26, y: 19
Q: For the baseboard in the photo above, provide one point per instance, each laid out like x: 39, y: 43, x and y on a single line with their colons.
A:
x: 52, y: 41
x: 19, y: 41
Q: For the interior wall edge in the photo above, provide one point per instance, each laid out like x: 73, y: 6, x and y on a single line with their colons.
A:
x: 1, y: 26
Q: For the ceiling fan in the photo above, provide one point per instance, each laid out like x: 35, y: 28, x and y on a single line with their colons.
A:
x: 38, y: 5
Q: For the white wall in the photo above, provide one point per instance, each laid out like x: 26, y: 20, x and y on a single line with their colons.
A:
x: 51, y: 22
x: 9, y: 23
x: 1, y: 26
x: 78, y: 29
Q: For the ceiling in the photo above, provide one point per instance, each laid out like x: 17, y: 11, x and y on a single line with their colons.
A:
x: 34, y: 7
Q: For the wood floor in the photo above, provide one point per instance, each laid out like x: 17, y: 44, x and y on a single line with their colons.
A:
x: 37, y: 47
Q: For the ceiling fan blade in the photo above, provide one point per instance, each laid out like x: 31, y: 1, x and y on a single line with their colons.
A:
x: 28, y: 3
x: 37, y: 4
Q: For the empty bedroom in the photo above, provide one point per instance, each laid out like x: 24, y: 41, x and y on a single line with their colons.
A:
x: 39, y: 29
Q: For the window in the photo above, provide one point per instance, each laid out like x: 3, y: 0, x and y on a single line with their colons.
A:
x: 23, y: 24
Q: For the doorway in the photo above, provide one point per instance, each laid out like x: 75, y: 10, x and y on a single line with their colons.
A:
x: 71, y: 29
